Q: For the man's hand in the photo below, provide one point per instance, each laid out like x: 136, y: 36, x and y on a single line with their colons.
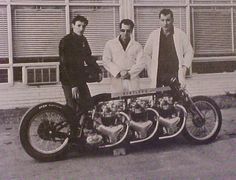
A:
x: 100, y: 77
x: 184, y: 70
x: 183, y: 78
x: 126, y: 76
x: 123, y: 73
x: 183, y: 83
x: 74, y: 92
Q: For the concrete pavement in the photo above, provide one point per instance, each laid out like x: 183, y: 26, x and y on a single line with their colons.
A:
x: 175, y: 159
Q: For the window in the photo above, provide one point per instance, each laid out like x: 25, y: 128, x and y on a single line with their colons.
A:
x: 103, y: 25
x: 37, y: 31
x: 3, y: 36
x: 212, y: 31
x: 39, y: 1
x: 160, y: 2
x: 95, y: 1
x: 146, y: 20
x: 211, y: 1
x: 41, y: 75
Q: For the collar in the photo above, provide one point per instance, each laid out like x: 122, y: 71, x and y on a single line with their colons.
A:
x: 76, y: 35
x: 171, y: 31
x: 119, y: 38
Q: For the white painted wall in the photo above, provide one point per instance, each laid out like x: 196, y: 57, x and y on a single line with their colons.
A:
x: 21, y: 95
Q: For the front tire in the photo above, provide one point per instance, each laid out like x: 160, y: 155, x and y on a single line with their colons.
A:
x: 44, y: 132
x: 203, y: 131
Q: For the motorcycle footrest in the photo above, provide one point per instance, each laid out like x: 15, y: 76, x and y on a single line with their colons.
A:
x: 119, y: 151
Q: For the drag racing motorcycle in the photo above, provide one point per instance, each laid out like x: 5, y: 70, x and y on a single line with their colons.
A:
x: 122, y: 119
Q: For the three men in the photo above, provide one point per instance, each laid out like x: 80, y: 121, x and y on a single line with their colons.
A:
x: 167, y: 52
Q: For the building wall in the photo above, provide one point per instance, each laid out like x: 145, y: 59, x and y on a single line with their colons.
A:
x: 28, y: 96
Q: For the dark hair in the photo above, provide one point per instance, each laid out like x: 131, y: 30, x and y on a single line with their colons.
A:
x: 127, y: 22
x: 166, y: 12
x: 81, y: 19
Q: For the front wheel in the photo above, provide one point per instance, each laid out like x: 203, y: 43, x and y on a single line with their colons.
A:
x: 204, y: 120
x: 44, y: 132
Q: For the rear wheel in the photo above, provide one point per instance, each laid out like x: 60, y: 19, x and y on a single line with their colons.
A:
x: 203, y: 128
x: 44, y: 132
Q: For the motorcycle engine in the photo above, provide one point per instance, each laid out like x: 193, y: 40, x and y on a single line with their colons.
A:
x: 108, y: 111
x: 169, y: 116
x: 138, y: 107
x: 165, y: 106
x: 108, y: 120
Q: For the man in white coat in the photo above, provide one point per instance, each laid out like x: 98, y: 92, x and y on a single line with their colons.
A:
x: 123, y: 58
x: 169, y: 52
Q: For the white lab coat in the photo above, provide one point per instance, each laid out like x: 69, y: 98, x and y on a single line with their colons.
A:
x: 183, y: 48
x: 116, y: 59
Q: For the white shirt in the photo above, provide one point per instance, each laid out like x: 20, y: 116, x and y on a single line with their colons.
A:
x: 116, y: 59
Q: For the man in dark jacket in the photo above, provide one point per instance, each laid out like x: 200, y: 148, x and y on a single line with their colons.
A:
x: 74, y: 50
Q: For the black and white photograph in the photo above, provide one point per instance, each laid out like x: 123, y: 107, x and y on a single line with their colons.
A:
x: 117, y: 89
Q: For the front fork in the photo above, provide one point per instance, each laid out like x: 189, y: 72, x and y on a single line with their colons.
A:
x: 190, y: 104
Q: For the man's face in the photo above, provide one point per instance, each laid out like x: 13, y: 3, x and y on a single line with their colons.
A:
x: 78, y: 27
x: 125, y: 32
x: 166, y: 22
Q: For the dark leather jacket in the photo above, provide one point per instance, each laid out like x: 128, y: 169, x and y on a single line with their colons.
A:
x: 74, y: 50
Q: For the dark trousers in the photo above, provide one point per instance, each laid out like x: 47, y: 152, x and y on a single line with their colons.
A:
x: 83, y: 103
x: 79, y: 106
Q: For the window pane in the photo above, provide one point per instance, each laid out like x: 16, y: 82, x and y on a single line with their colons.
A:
x: 53, y: 74
x: 212, y: 30
x: 38, y: 75
x: 103, y: 25
x: 211, y: 1
x: 37, y: 31
x: 30, y: 75
x: 17, y: 74
x: 42, y: 1
x: 160, y: 1
x: 45, y: 75
x: 147, y: 20
x: 3, y: 75
x: 95, y: 1
x: 3, y: 35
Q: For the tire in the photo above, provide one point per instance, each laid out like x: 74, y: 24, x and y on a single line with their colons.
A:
x: 38, y: 131
x: 204, y: 131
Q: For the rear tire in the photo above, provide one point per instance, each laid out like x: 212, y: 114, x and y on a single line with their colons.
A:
x: 44, y: 132
x: 200, y: 131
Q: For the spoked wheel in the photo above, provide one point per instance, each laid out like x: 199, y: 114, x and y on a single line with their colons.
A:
x: 44, y: 132
x: 204, y: 121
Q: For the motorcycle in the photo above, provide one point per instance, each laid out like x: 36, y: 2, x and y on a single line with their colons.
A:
x: 120, y: 119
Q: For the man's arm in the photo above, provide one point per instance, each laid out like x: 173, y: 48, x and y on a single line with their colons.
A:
x: 148, y: 52
x: 139, y: 64
x: 187, y: 58
x: 187, y: 51
x: 148, y: 47
x: 90, y: 61
x: 64, y: 63
x: 107, y: 62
